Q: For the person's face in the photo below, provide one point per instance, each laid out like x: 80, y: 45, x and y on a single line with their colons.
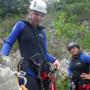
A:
x: 74, y: 51
x: 37, y: 17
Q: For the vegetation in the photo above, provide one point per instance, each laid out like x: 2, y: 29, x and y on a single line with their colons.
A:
x: 69, y: 19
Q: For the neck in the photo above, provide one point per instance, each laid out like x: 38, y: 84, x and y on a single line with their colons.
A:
x: 33, y: 24
x: 77, y: 55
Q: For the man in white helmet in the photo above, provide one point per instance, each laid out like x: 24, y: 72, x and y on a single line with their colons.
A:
x: 32, y: 44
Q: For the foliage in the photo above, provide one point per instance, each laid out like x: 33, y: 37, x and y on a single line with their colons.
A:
x: 65, y: 24
x: 73, y: 7
x: 69, y: 17
x: 69, y: 26
x: 12, y: 7
x: 6, y: 27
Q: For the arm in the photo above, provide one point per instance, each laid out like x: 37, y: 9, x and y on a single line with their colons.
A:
x: 48, y: 56
x: 85, y: 58
x: 85, y: 76
x: 18, y: 27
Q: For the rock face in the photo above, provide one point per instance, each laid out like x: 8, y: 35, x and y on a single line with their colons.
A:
x: 14, y: 59
x: 8, y: 80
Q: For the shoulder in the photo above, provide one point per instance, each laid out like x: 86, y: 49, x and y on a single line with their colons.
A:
x: 85, y: 57
x: 84, y: 54
x: 19, y: 24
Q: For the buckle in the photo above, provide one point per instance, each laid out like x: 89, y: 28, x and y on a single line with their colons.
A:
x: 22, y: 73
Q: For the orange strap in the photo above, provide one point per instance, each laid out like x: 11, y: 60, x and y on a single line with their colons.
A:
x: 23, y: 87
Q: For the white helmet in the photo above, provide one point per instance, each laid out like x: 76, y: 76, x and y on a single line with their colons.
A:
x: 39, y: 5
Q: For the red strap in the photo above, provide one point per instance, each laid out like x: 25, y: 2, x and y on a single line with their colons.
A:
x: 43, y: 75
x: 86, y: 87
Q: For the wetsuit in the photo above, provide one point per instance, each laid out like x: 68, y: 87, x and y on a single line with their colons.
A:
x: 79, y: 64
x: 32, y: 45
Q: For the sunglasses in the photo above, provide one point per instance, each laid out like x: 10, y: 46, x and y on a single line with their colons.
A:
x: 39, y: 13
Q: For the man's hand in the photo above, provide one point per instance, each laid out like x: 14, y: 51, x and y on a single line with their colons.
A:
x: 56, y: 64
x: 85, y: 76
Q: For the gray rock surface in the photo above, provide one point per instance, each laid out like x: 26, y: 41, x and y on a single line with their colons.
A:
x: 8, y: 80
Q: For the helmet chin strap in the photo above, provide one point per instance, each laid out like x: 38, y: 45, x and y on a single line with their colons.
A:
x: 33, y: 24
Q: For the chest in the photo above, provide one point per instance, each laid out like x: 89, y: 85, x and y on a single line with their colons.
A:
x: 29, y: 35
x: 78, y: 65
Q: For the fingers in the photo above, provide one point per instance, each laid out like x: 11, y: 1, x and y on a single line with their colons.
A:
x: 56, y: 64
x: 85, y: 76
